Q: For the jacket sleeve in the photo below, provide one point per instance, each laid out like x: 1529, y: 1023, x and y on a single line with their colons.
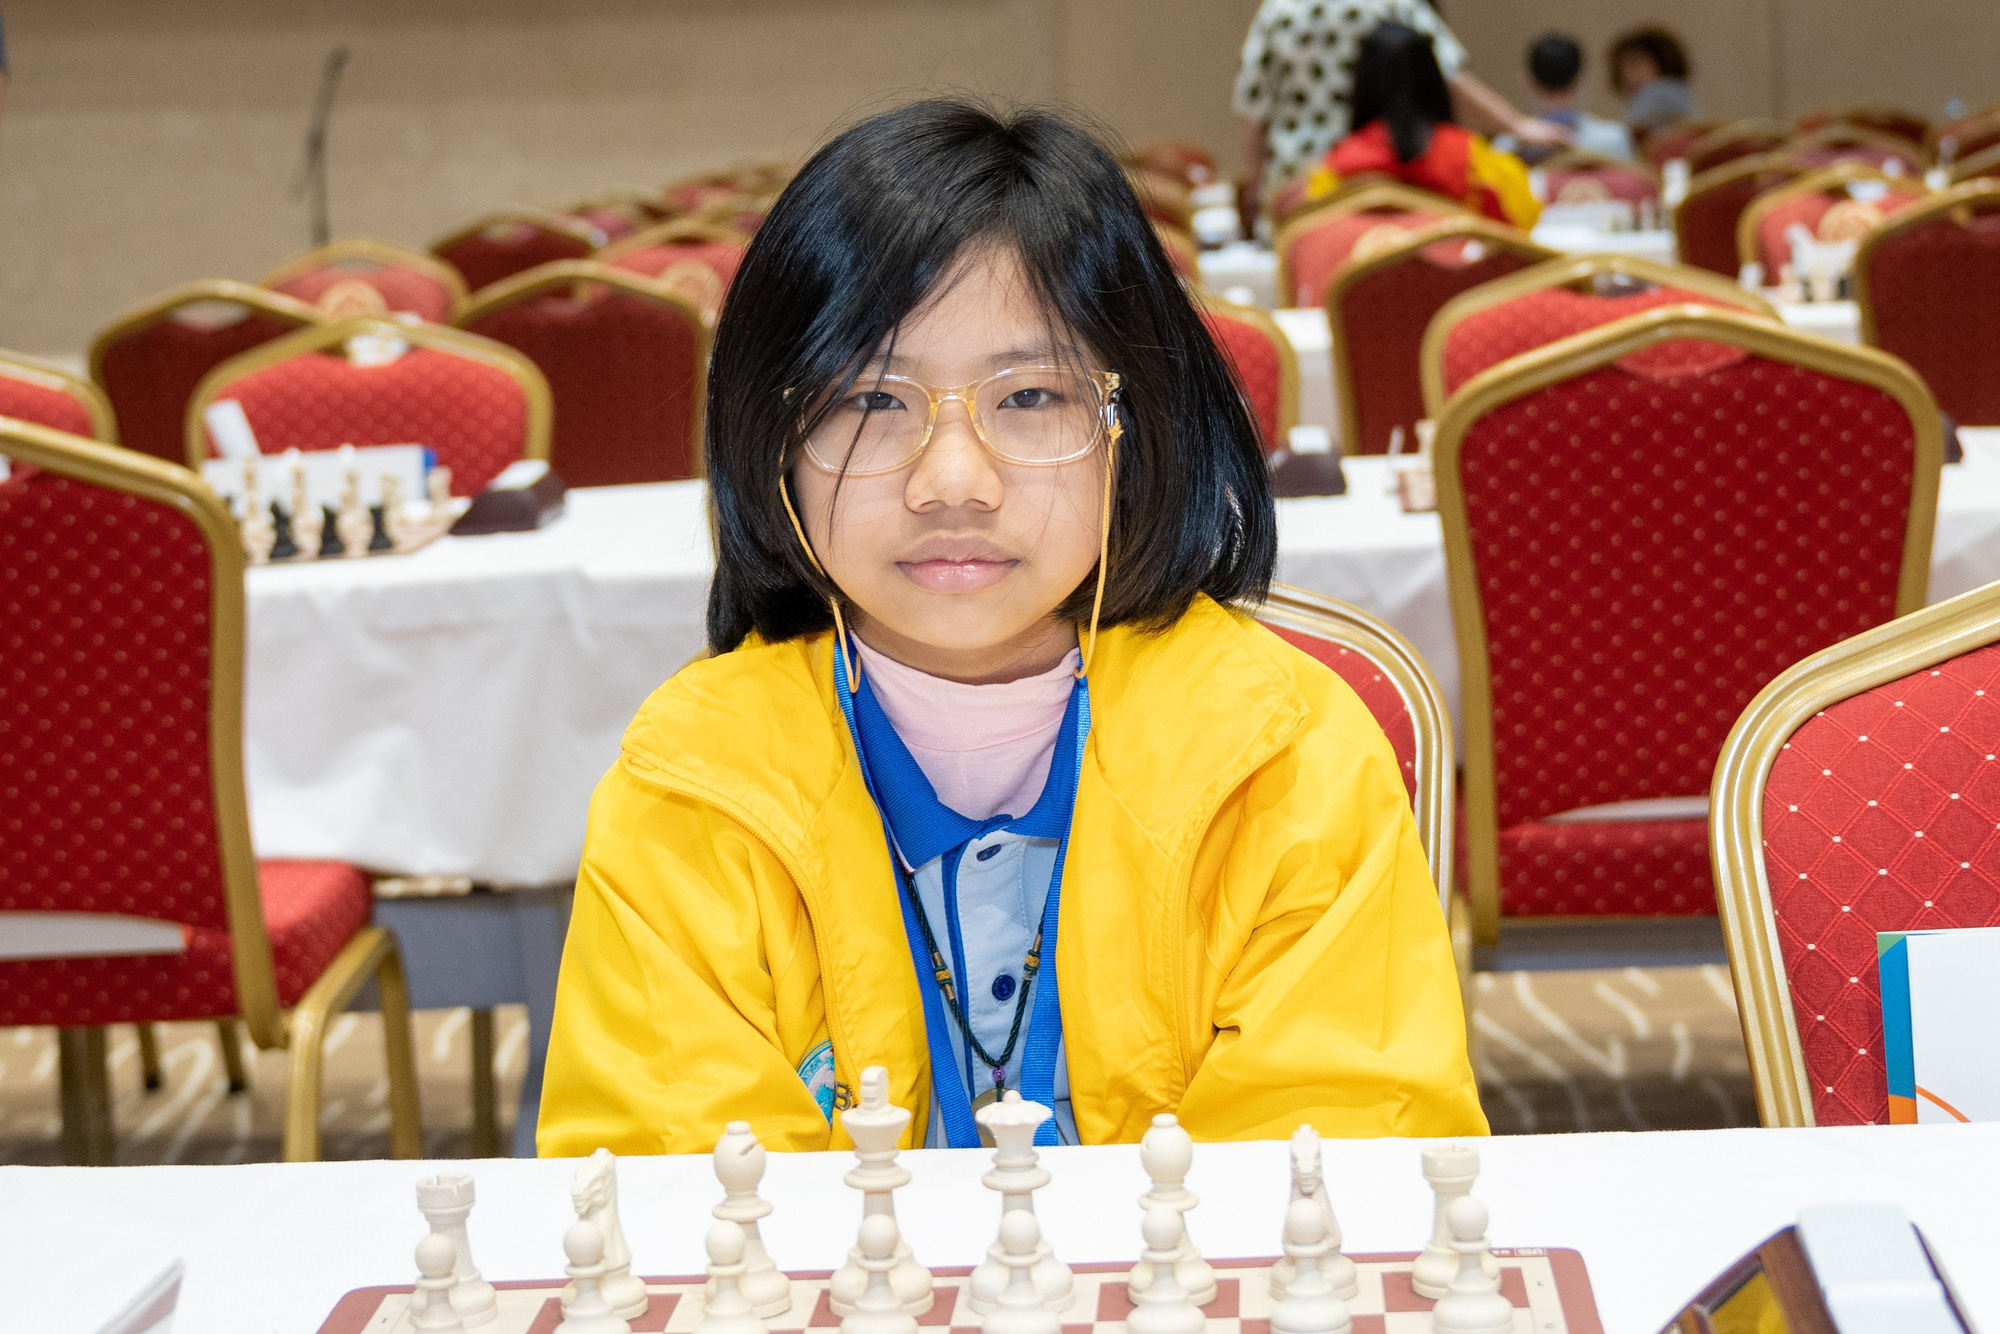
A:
x: 674, y: 974
x: 1337, y: 1000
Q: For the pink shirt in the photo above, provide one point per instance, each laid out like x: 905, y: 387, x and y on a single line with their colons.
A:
x: 986, y: 749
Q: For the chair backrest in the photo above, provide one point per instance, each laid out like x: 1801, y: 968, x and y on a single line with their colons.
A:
x: 697, y: 260
x: 1397, y: 686
x: 1884, y: 120
x: 1264, y: 361
x: 1183, y: 251
x: 1806, y: 202
x: 1983, y: 165
x: 1927, y: 280
x: 1856, y: 143
x: 1672, y: 142
x: 1379, y: 306
x: 1736, y: 139
x: 477, y: 404
x: 1962, y: 138
x: 149, y: 360
x: 513, y: 241
x: 408, y: 282
x: 1551, y: 301
x: 626, y: 360
x: 121, y: 734
x: 1634, y: 548
x: 1705, y: 222
x: 1852, y: 798
x: 1576, y: 177
x: 33, y: 391
x: 1317, y: 239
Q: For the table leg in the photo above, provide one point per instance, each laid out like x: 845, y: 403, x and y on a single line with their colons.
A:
x: 485, y: 1097
x: 149, y: 1056
x: 232, y: 1054
x: 87, y: 1136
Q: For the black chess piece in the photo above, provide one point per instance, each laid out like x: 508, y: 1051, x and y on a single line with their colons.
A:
x: 378, y: 540
x: 329, y: 533
x: 286, y: 545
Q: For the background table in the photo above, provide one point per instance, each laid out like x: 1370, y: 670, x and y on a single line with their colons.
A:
x: 1656, y: 1215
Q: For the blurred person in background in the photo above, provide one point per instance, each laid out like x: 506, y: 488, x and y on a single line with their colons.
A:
x: 1555, y: 70
x: 1403, y: 129
x: 1649, y: 69
x: 1296, y: 87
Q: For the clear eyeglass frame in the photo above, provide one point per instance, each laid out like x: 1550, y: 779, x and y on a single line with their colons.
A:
x: 1106, y: 382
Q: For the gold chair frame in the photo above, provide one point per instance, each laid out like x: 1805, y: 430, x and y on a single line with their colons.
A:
x: 532, y: 217
x: 1745, y: 128
x: 1288, y: 357
x: 579, y: 273
x: 372, y: 954
x: 1918, y: 640
x: 1861, y: 136
x: 326, y: 337
x: 1958, y: 199
x: 1367, y: 195
x: 33, y: 370
x: 368, y: 250
x: 666, y: 233
x: 1812, y: 182
x: 1582, y: 159
x: 1494, y: 235
x: 1565, y: 272
x: 162, y: 306
x: 1584, y: 352
x: 1977, y: 123
x: 1983, y: 165
x: 1845, y: 113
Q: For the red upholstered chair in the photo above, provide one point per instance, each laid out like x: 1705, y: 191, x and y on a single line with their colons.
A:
x: 1855, y: 143
x: 1962, y: 138
x: 1539, y: 306
x: 1858, y: 793
x: 1883, y: 120
x: 1672, y: 143
x: 408, y: 282
x: 1760, y: 232
x: 128, y: 889
x: 513, y: 241
x: 1378, y: 308
x: 1705, y: 222
x: 626, y: 359
x: 1737, y: 139
x: 477, y: 404
x: 697, y: 260
x: 149, y: 361
x: 1265, y: 364
x: 1643, y: 525
x: 1983, y: 165
x: 32, y: 391
x: 1576, y: 177
x: 1313, y: 245
x: 1183, y: 251
x: 1928, y: 283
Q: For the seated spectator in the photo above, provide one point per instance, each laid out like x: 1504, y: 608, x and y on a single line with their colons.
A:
x: 1649, y: 69
x: 1555, y: 68
x: 1403, y: 129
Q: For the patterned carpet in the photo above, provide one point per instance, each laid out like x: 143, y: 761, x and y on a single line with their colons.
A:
x: 1617, y: 1049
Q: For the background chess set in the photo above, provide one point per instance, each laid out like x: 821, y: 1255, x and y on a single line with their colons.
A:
x: 374, y: 500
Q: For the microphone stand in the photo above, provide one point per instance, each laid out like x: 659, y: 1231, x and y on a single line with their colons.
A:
x: 311, y: 180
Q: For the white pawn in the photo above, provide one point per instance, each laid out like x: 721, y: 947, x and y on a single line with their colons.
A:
x: 739, y: 1166
x: 307, y: 519
x: 1472, y: 1304
x: 430, y: 1305
x: 1166, y: 1152
x: 1451, y: 1169
x: 589, y: 1312
x: 1310, y: 1304
x: 1021, y: 1308
x: 725, y: 1308
x: 877, y: 1310
x: 1159, y: 1304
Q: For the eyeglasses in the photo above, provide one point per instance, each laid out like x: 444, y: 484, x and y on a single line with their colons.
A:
x: 1032, y: 416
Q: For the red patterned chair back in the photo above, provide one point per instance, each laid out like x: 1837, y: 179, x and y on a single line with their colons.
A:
x: 695, y: 260
x: 1761, y: 233
x: 1855, y: 795
x: 1928, y: 284
x: 1264, y: 362
x: 407, y: 282
x: 1610, y: 626
x: 1883, y: 120
x: 149, y: 361
x: 1705, y: 222
x: 501, y: 245
x: 1732, y: 142
x: 1578, y: 178
x: 1183, y: 252
x: 1378, y: 308
x: 1961, y: 139
x: 477, y: 404
x: 1317, y: 239
x: 1542, y: 305
x: 1983, y: 165
x: 1857, y: 143
x: 31, y: 391
x: 626, y: 360
x: 1672, y: 143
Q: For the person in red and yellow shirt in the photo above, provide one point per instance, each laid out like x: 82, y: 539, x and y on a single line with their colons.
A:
x: 1403, y: 129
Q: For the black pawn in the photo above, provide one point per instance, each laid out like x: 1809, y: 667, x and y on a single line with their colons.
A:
x: 286, y: 546
x: 379, y: 539
x: 329, y: 533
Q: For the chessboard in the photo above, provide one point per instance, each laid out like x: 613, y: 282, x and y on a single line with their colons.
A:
x: 1549, y: 1289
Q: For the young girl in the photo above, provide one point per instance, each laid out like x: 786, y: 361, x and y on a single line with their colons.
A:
x: 1403, y: 129
x: 957, y: 794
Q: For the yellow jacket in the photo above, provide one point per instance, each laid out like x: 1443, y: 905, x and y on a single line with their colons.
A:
x: 1249, y: 932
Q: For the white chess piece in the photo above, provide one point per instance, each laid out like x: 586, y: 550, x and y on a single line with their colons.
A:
x: 876, y: 1128
x: 739, y: 1166
x: 1309, y: 1183
x: 594, y: 1192
x: 258, y: 532
x: 430, y: 1305
x: 877, y: 1308
x: 1021, y: 1308
x: 1017, y: 1174
x: 437, y: 484
x: 589, y: 1312
x: 351, y: 520
x: 1451, y: 1169
x: 1310, y: 1304
x: 1472, y: 1304
x: 1166, y: 1151
x: 446, y: 1200
x: 395, y: 524
x: 1159, y: 1304
x: 307, y: 520
x: 725, y: 1307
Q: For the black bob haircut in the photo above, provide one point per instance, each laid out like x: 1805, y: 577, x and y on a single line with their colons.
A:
x: 1555, y: 62
x: 1397, y: 79
x: 859, y: 240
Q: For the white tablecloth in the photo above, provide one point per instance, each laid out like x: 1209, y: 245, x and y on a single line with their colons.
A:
x: 1838, y: 320
x: 270, y: 1248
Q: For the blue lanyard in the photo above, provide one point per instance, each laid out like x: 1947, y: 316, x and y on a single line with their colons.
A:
x: 1044, y: 1036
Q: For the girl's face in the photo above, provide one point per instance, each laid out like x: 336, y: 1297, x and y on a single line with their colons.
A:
x: 1635, y: 70
x: 956, y: 563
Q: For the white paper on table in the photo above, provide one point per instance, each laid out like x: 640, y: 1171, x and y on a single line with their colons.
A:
x: 1954, y: 1036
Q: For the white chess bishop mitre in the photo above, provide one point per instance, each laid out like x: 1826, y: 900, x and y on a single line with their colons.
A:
x: 739, y: 1166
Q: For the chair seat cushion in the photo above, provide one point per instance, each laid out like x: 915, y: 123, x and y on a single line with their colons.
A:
x: 311, y: 910
x: 1621, y: 868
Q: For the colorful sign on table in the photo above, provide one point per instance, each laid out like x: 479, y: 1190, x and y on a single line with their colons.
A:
x: 1940, y: 1041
